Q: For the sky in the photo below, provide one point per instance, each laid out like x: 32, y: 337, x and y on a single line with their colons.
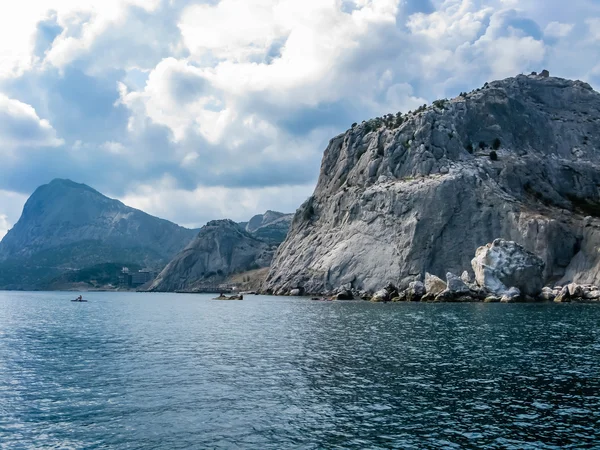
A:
x: 200, y: 110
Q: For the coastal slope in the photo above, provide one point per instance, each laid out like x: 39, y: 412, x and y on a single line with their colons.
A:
x: 220, y: 249
x: 403, y: 195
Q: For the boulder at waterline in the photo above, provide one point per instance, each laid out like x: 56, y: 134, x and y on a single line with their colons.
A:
x: 434, y: 285
x: 455, y: 285
x: 505, y: 264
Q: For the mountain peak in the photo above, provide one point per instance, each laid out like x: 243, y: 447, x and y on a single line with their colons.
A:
x: 67, y: 183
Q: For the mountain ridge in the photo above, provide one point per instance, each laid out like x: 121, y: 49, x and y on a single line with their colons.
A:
x: 221, y: 248
x: 69, y: 229
x: 69, y: 225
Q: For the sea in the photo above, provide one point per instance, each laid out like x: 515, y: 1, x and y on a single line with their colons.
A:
x: 177, y: 371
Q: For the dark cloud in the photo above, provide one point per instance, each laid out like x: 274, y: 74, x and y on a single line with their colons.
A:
x: 523, y: 24
x: 274, y: 51
x: 80, y: 107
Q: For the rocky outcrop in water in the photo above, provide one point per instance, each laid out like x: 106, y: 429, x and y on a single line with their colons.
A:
x: 416, y: 193
x: 508, y: 261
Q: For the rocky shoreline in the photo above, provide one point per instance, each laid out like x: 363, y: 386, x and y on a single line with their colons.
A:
x: 504, y: 272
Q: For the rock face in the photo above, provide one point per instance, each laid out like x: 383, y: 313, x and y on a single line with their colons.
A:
x: 505, y: 264
x: 434, y: 285
x: 271, y: 227
x: 221, y: 248
x: 420, y: 193
x: 66, y: 225
x: 224, y: 248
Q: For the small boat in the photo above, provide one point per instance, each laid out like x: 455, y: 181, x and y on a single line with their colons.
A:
x: 79, y: 301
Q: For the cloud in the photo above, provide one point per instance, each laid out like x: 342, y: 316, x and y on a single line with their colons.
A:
x: 47, y: 31
x: 195, y: 208
x: 170, y: 105
x: 558, y: 30
x: 594, y: 28
x: 11, y: 205
x: 4, y: 225
x: 237, y: 30
x: 21, y: 127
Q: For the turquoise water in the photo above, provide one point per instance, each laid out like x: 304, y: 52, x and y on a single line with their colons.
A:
x: 166, y: 371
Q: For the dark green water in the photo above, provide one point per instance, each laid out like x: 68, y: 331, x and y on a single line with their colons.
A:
x: 153, y: 371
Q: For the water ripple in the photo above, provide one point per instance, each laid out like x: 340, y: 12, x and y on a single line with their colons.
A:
x: 153, y: 371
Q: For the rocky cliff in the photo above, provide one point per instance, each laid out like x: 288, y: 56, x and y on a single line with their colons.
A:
x: 403, y: 195
x: 221, y: 248
x: 66, y: 225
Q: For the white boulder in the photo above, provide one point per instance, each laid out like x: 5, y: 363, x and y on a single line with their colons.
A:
x: 505, y: 264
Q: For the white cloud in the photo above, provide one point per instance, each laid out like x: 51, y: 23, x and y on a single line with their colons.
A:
x: 231, y: 29
x: 18, y: 21
x: 20, y: 126
x: 115, y: 148
x: 193, y: 208
x: 316, y: 39
x: 455, y: 23
x: 557, y: 29
x: 11, y: 205
x: 594, y: 28
x: 176, y: 96
x: 509, y: 56
x: 4, y: 225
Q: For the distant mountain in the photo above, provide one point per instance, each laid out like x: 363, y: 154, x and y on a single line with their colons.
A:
x: 224, y: 248
x: 66, y: 226
x: 271, y: 226
x: 221, y: 248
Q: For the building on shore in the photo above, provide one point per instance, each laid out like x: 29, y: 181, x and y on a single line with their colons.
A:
x: 142, y: 277
x: 129, y: 279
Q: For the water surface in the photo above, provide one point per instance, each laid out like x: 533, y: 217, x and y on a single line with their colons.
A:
x: 167, y: 371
